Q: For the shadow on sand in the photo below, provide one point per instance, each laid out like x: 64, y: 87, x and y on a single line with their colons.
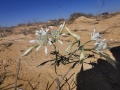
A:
x: 102, y: 76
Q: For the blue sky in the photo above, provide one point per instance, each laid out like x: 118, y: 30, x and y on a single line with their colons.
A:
x: 13, y: 12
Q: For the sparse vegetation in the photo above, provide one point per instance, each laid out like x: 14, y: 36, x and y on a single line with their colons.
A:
x: 59, y: 70
x: 76, y: 15
x: 55, y: 22
x: 44, y: 38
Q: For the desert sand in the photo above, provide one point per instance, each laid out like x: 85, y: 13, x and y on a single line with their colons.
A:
x: 96, y: 74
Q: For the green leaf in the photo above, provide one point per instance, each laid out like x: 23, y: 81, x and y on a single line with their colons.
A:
x: 70, y: 46
x: 76, y: 37
x: 109, y: 59
x: 82, y: 55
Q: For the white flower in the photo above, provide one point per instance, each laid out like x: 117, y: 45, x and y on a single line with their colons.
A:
x: 101, y: 45
x: 95, y: 36
x: 55, y: 33
x: 41, y: 32
x: 55, y: 36
x: 42, y: 39
x: 44, y: 32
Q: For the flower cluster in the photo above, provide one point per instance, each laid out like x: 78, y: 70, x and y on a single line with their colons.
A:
x: 100, y: 45
x: 50, y: 37
x: 44, y: 38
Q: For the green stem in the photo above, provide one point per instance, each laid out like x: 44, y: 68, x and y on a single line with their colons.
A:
x: 17, y: 73
x: 89, y: 49
x: 73, y: 53
x: 56, y: 55
x: 80, y: 47
x: 54, y: 47
x: 87, y: 42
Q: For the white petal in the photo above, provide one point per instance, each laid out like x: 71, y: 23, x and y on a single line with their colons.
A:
x: 37, y: 33
x: 47, y: 30
x: 102, y: 45
x: 105, y: 46
x: 52, y: 39
x: 60, y: 42
x: 95, y: 36
x: 104, y: 39
x: 61, y: 27
x: 44, y: 33
x: 41, y: 31
x: 42, y: 28
x: 50, y: 43
x: 63, y: 34
x: 27, y: 51
x: 51, y: 27
x: 33, y: 41
x: 38, y: 48
x: 46, y: 51
x: 96, y: 43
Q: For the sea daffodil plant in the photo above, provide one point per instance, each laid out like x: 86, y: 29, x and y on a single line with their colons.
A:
x: 45, y: 38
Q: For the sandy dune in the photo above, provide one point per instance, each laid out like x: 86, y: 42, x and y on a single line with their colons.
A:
x: 93, y: 76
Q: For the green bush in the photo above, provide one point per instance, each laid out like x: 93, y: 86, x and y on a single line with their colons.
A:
x: 79, y: 14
